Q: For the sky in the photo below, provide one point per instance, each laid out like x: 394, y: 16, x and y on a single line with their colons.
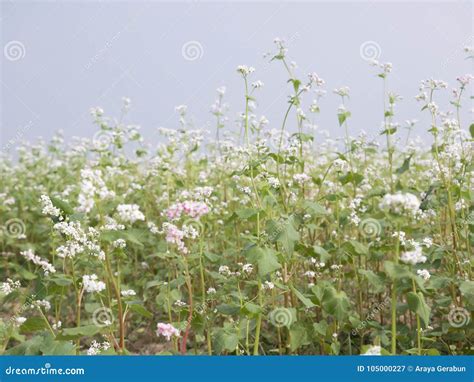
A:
x: 60, y: 58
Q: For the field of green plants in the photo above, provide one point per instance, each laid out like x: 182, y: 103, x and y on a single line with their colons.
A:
x: 260, y: 239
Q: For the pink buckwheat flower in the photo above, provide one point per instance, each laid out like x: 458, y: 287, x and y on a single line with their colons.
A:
x: 191, y: 208
x: 174, y: 212
x: 167, y: 331
x: 175, y: 236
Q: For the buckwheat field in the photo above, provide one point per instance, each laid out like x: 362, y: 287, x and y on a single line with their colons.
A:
x: 256, y: 239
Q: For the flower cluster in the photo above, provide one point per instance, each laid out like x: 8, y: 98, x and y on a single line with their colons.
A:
x: 92, y: 186
x: 413, y: 257
x: 192, y: 209
x: 130, y: 213
x: 401, y: 203
x: 30, y: 256
x: 92, y: 284
x: 96, y: 347
x: 48, y: 207
x: 78, y: 241
x: 9, y: 286
x: 166, y: 330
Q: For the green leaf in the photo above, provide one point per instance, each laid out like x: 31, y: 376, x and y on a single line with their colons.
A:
x: 52, y: 347
x: 315, y: 209
x: 26, y: 274
x: 29, y: 347
x: 416, y: 303
x: 33, y: 324
x: 252, y: 308
x: 405, y: 166
x: 351, y: 177
x: 76, y: 333
x: 296, y: 84
x: 247, y: 213
x: 396, y: 271
x: 135, y: 236
x: 228, y: 309
x: 341, y: 117
x: 471, y: 129
x: 265, y: 258
x: 374, y: 280
x: 61, y: 280
x: 298, y: 337
x: 212, y: 257
x: 324, y: 255
x: 141, y: 310
x: 62, y: 205
x: 336, y: 348
x: 288, y: 236
x: 226, y: 341
x: 356, y: 248
x: 467, y: 288
x: 267, y: 262
x: 336, y: 303
x: 321, y: 327
x: 467, y: 291
x: 305, y: 300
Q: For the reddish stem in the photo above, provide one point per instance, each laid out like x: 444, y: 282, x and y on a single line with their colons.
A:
x: 190, y: 316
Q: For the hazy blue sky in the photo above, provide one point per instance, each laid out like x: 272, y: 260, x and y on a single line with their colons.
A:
x: 61, y: 58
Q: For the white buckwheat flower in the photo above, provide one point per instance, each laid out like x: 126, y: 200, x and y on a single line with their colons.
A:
x: 268, y: 285
x: 20, y: 320
x: 400, y: 203
x: 30, y: 256
x: 301, y: 178
x: 48, y: 208
x: 9, y: 286
x: 373, y: 350
x: 211, y: 291
x: 413, y: 257
x: 424, y: 274
x: 97, y: 348
x: 247, y: 268
x: 42, y: 304
x: 130, y: 213
x: 119, y: 243
x: 128, y: 293
x: 245, y: 70
x: 91, y: 283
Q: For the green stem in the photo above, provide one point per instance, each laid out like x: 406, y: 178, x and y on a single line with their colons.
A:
x: 418, y: 325
x: 394, y: 300
x: 259, y: 320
